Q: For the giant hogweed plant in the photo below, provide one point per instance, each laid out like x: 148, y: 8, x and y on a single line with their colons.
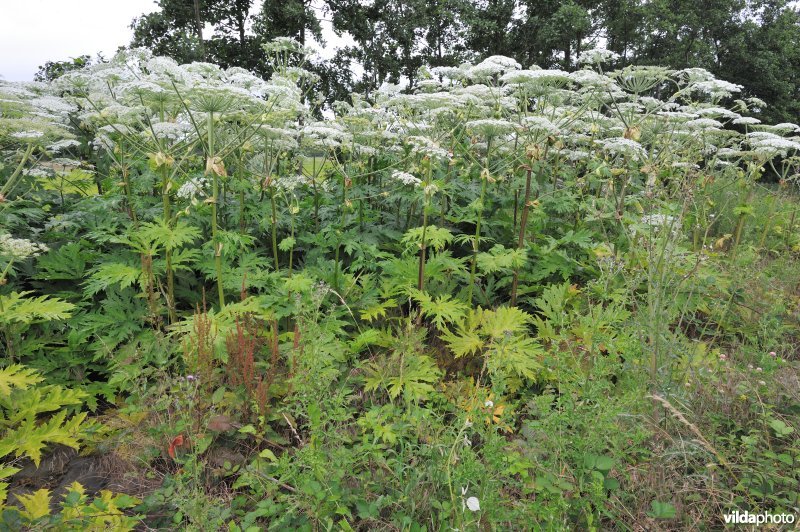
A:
x: 425, y: 237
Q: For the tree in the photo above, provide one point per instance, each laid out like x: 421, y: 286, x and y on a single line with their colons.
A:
x: 752, y: 42
x: 552, y: 32
x: 175, y: 30
x: 288, y: 18
x: 755, y: 43
x: 765, y: 57
x: 489, y: 25
x: 55, y: 69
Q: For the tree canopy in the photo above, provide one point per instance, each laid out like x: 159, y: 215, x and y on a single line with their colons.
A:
x: 756, y: 42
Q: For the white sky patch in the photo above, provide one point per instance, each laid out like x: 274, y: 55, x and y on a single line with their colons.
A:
x: 33, y: 32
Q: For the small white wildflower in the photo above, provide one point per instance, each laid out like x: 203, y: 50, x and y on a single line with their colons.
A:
x: 703, y: 123
x: 491, y: 66
x: 20, y: 248
x: 677, y: 116
x: 38, y: 171
x: 490, y: 126
x: 747, y: 121
x: 406, y: 178
x: 27, y: 135
x: 291, y: 183
x: 769, y: 147
x: 192, y: 187
x: 590, y: 78
x: 622, y: 146
x: 717, y: 111
x: 53, y: 105
x: 786, y: 127
x: 447, y: 72
x: 658, y: 220
x: 426, y: 147
x: 540, y: 123
x: 489, y: 403
x: 62, y: 145
x: 596, y: 56
x: 173, y: 131
x: 716, y: 88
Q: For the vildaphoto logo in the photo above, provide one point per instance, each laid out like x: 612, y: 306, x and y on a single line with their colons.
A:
x: 746, y: 518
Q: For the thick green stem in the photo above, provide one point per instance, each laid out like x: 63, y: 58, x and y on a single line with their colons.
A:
x: 17, y: 171
x: 168, y: 251
x: 339, y: 236
x: 274, y: 226
x: 424, y: 244
x: 127, y: 184
x: 523, y: 223
x: 291, y: 251
x: 423, y: 248
x: 476, y: 240
x: 214, y: 197
x: 476, y: 243
x: 740, y: 222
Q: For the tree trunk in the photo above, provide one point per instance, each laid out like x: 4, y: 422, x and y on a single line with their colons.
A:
x: 198, y: 27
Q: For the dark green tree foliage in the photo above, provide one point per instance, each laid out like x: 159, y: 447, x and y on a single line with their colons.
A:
x: 765, y: 58
x: 394, y: 39
x: 552, y: 33
x: 176, y: 29
x: 488, y: 26
x: 55, y: 69
x: 288, y: 18
x: 622, y: 22
x: 240, y: 27
x: 385, y: 33
x: 753, y: 42
x: 444, y: 29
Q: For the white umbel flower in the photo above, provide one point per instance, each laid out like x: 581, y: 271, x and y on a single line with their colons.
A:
x: 20, y: 248
x: 496, y: 64
x: 625, y: 147
x: 596, y: 56
x: 406, y: 178
x: 192, y: 188
x: 27, y: 135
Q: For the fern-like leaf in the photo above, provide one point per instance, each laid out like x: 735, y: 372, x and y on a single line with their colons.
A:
x: 17, y: 376
x: 109, y: 274
x: 17, y: 308
x: 35, y: 505
x: 29, y: 439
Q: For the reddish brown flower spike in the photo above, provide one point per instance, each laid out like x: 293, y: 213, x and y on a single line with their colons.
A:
x: 177, y: 441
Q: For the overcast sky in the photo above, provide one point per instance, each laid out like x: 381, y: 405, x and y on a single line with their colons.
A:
x: 33, y: 32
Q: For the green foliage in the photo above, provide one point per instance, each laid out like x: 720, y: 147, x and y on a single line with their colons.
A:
x: 55, y: 69
x: 32, y: 417
x: 498, y: 336
x: 575, y: 286
x: 442, y: 311
x: 17, y: 308
x: 405, y: 371
x: 77, y: 511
